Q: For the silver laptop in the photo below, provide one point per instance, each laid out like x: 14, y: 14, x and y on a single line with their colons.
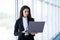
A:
x: 35, y: 26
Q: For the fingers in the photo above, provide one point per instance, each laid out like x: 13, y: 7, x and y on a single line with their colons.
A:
x: 33, y: 33
x: 24, y: 31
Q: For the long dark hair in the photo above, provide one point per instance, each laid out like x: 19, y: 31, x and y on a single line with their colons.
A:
x: 21, y: 11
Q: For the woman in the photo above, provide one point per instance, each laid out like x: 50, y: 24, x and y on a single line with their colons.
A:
x: 21, y: 25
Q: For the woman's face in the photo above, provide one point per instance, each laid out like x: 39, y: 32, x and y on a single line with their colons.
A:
x: 25, y: 12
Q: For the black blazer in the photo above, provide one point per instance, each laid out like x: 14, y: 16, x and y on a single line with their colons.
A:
x: 19, y: 26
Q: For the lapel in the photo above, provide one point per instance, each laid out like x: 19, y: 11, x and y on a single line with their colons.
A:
x: 22, y: 23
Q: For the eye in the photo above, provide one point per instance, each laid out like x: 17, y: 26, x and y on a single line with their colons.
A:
x: 25, y: 11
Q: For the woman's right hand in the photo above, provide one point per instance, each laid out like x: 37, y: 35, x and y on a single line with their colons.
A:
x: 24, y: 31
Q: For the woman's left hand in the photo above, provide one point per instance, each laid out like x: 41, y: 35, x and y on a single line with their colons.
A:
x: 33, y: 33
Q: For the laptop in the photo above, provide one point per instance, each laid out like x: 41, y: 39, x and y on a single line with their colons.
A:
x: 35, y: 26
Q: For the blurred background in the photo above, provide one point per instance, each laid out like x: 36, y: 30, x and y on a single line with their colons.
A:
x: 41, y: 10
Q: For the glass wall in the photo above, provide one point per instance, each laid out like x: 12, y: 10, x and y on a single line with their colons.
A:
x: 44, y: 10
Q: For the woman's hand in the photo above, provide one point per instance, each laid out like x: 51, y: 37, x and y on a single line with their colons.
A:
x: 24, y: 31
x: 33, y: 33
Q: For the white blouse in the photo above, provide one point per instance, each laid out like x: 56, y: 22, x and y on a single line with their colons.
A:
x: 25, y: 25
